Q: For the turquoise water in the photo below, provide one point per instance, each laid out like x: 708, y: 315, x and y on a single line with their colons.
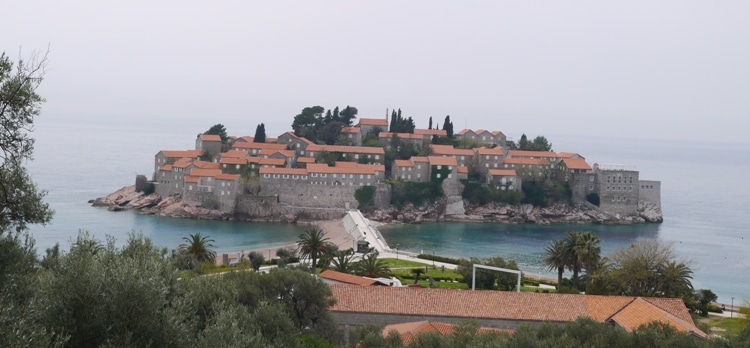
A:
x: 704, y: 199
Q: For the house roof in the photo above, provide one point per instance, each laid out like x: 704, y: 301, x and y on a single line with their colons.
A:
x: 421, y: 159
x: 403, y: 163
x: 462, y: 170
x: 400, y: 135
x: 502, y: 172
x: 442, y: 161
x: 206, y: 165
x: 232, y: 160
x: 528, y: 161
x: 570, y: 155
x: 493, y: 151
x: 233, y: 153
x: 576, y: 163
x: 205, y: 172
x: 464, y: 131
x: 270, y: 152
x: 627, y: 312
x: 341, y: 168
x: 229, y: 177
x: 350, y: 130
x: 532, y: 154
x: 210, y: 137
x: 182, y: 162
x: 192, y: 179
x: 252, y: 145
x: 166, y: 168
x: 305, y: 160
x: 409, y: 331
x: 449, y: 150
x: 431, y: 132
x: 347, y: 278
x: 381, y: 122
x: 289, y: 171
x: 276, y: 162
x: 346, y: 149
x: 245, y: 139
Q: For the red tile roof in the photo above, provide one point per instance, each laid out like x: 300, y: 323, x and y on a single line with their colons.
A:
x: 498, y: 151
x: 403, y: 163
x: 462, y: 170
x: 442, y: 161
x: 346, y: 149
x: 232, y: 160
x: 347, y: 278
x: 381, y: 122
x: 350, y: 130
x: 449, y: 150
x: 181, y: 153
x: 182, y: 162
x: 431, y: 132
x: 289, y: 171
x: 410, y: 331
x: 576, y: 163
x: 527, y: 161
x: 269, y: 152
x: 259, y: 146
x: 210, y: 137
x: 420, y: 159
x: 245, y: 139
x: 166, y: 168
x: 192, y: 179
x: 627, y: 312
x: 369, y: 169
x: 206, y: 165
x: 229, y: 177
x: 276, y: 162
x: 305, y: 160
x: 400, y: 135
x: 532, y: 154
x: 205, y: 172
x: 234, y: 153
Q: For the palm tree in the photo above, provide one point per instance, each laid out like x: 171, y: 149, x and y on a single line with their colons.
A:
x: 675, y: 279
x: 372, y: 267
x: 198, y: 247
x: 312, y: 244
x: 583, y: 252
x: 342, y: 261
x: 557, y: 258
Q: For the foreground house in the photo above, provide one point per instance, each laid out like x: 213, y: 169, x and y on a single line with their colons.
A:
x: 410, y: 331
x: 358, y: 305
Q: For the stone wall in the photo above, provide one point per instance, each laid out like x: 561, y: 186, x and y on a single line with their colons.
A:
x: 618, y: 191
x: 304, y: 194
x: 650, y: 191
x: 382, y: 199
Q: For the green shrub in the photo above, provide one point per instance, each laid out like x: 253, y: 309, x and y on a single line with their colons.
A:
x: 364, y: 195
x: 438, y: 258
x: 593, y: 198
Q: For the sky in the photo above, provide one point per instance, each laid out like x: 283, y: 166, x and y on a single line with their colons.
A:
x: 632, y: 69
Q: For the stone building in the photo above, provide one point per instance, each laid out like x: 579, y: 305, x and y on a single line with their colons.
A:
x: 361, y: 154
x: 367, y: 125
x: 482, y: 136
x: 208, y: 143
x: 463, y: 156
x: 352, y: 136
x: 294, y: 142
x: 504, y: 179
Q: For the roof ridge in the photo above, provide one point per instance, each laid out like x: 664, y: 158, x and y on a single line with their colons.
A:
x: 621, y: 308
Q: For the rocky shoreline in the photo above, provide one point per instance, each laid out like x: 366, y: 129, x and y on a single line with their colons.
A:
x: 127, y: 198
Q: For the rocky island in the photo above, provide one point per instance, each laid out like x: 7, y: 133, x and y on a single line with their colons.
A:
x: 404, y: 174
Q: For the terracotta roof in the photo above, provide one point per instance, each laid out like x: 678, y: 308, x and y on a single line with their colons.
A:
x: 410, y: 331
x: 192, y: 179
x: 181, y: 153
x: 502, y: 172
x: 345, y: 169
x: 496, y: 133
x: 182, y: 162
x: 464, y: 131
x: 259, y: 146
x: 346, y: 149
x: 442, y: 161
x: 232, y: 160
x: 245, y: 139
x: 210, y: 137
x: 272, y: 140
x: 305, y: 160
x: 233, y: 153
x: 373, y: 122
x: 403, y: 163
x: 230, y: 177
x: 431, y: 132
x: 206, y: 165
x: 576, y: 163
x: 277, y: 162
x: 532, y: 154
x: 627, y: 312
x: 449, y: 150
x: 269, y: 152
x: 493, y: 151
x: 462, y: 170
x: 400, y: 135
x: 350, y: 130
x: 205, y: 172
x: 166, y: 168
x: 528, y: 161
x: 290, y: 171
x: 569, y: 155
x: 347, y: 278
x: 420, y: 159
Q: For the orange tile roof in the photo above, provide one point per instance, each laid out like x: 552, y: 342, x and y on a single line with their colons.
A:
x: 420, y: 159
x: 462, y: 170
x: 231, y: 160
x: 369, y: 169
x: 373, y: 122
x: 532, y: 154
x: 230, y: 177
x: 234, y: 153
x: 182, y: 162
x: 192, y: 179
x: 346, y: 149
x: 269, y: 152
x: 493, y: 151
x: 576, y: 163
x: 627, y: 312
x: 403, y: 163
x: 400, y: 135
x: 449, y: 150
x: 290, y: 171
x: 245, y: 139
x: 431, y: 132
x: 166, y: 168
x: 569, y: 155
x: 210, y: 137
x: 258, y: 146
x: 347, y: 278
x: 464, y: 131
x: 272, y: 140
x: 442, y: 161
x: 528, y: 161
x: 350, y: 130
x: 206, y: 165
x: 305, y: 160
x: 205, y: 172
x: 277, y: 162
x: 502, y: 172
x: 181, y: 153
x: 410, y: 331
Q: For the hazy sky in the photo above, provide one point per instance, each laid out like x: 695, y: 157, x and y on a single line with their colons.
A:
x: 640, y: 69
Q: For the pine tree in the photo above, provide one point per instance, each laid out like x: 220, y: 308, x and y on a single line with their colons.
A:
x: 430, y: 126
x: 260, y: 133
x: 448, y: 126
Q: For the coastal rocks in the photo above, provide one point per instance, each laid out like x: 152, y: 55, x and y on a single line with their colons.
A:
x: 649, y: 212
x: 126, y: 198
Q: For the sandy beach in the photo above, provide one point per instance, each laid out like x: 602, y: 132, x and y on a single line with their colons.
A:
x: 334, y: 231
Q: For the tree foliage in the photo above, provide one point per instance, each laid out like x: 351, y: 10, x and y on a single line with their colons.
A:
x: 487, y: 279
x: 372, y: 266
x: 198, y: 248
x: 316, y: 126
x: 21, y: 203
x: 312, y: 244
x: 260, y: 133
x: 401, y: 124
x: 448, y: 127
x: 218, y: 129
x: 539, y: 143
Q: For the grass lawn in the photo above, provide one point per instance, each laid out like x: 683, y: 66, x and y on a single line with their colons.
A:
x: 724, y: 326
x: 402, y: 269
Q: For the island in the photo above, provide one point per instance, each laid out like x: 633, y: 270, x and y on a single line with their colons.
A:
x: 391, y: 171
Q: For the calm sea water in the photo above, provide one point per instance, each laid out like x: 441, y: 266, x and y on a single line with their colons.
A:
x: 704, y: 199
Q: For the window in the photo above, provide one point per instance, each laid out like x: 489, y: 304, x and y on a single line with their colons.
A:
x: 438, y: 175
x: 439, y: 167
x: 377, y: 156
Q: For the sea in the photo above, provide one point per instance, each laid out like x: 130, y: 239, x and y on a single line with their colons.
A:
x: 704, y: 200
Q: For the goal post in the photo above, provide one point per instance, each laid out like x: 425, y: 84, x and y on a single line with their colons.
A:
x: 499, y: 269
